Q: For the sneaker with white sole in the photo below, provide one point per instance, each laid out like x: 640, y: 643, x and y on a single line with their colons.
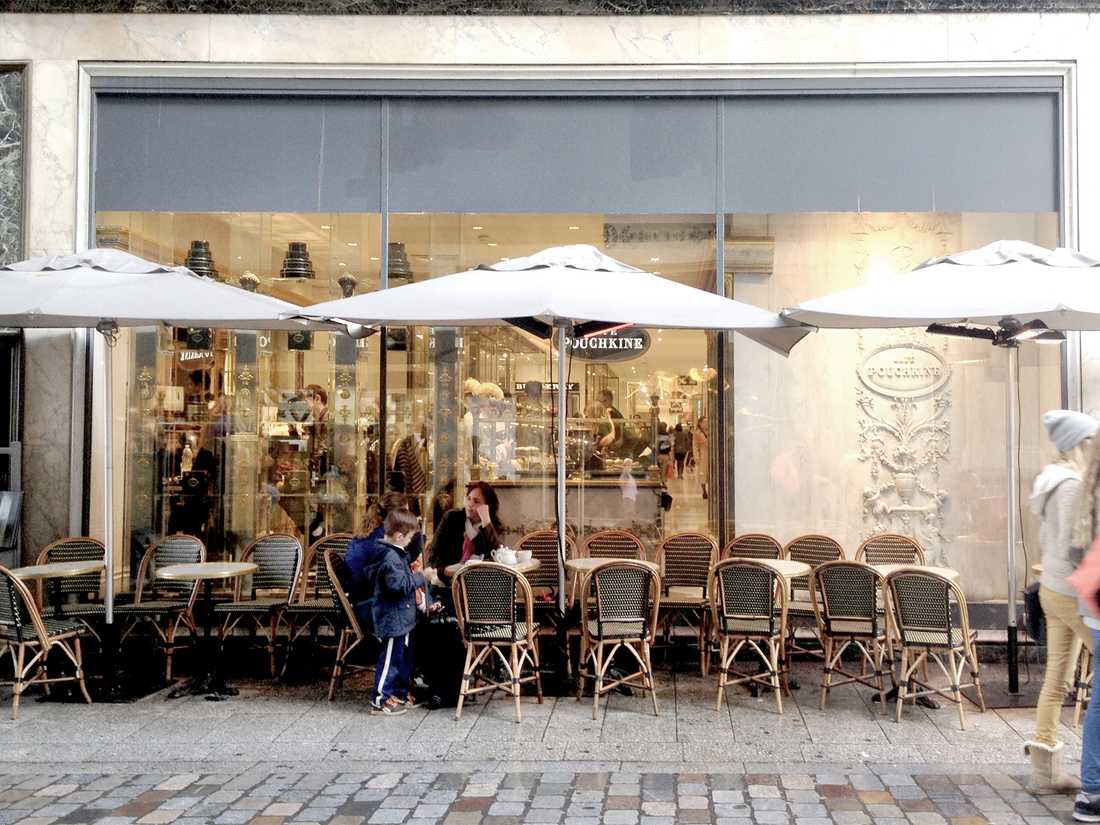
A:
x: 1086, y: 807
x: 390, y: 707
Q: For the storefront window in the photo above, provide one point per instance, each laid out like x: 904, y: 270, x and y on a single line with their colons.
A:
x: 873, y: 431
x: 480, y: 403
x: 231, y: 434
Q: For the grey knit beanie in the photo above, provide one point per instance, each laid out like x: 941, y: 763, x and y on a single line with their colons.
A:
x: 1068, y: 428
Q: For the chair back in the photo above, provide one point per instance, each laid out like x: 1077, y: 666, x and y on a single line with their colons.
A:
x: 543, y: 545
x: 811, y: 549
x: 846, y: 597
x: 747, y: 598
x: 278, y: 560
x: 18, y: 611
x: 80, y: 548
x: 176, y: 549
x: 685, y: 560
x: 343, y: 585
x: 753, y: 546
x: 890, y: 548
x: 315, y: 582
x: 485, y: 599
x: 929, y: 609
x: 626, y: 597
x: 613, y: 544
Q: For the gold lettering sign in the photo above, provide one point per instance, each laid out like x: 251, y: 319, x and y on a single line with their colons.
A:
x: 904, y: 371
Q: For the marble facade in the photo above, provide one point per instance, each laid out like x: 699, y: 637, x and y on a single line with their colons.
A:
x: 61, y: 47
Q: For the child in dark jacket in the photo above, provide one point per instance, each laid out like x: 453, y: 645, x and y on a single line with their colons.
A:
x: 392, y: 606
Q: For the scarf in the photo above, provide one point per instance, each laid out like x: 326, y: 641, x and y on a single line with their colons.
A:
x: 1084, y: 514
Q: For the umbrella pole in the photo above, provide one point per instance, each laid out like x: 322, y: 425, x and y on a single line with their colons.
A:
x: 109, y: 331
x: 563, y: 399
x: 1013, y: 425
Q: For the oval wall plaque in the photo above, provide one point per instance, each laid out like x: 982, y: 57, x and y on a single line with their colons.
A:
x: 904, y: 371
x: 613, y: 345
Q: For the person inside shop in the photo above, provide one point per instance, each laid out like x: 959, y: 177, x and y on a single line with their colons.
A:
x: 664, y: 448
x: 700, y: 448
x: 465, y: 532
x: 318, y: 451
x: 681, y: 446
x: 611, y: 431
x: 193, y: 462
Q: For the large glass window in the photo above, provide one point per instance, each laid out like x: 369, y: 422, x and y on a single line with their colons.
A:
x: 231, y: 434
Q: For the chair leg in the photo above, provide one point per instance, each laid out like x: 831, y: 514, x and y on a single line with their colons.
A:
x: 972, y: 660
x: 955, y: 663
x: 465, y: 681
x: 339, y: 665
x: 903, y: 682
x: 773, y: 649
x: 827, y: 676
x: 597, y: 687
x: 169, y: 647
x: 723, y: 652
x: 879, y: 676
x: 513, y: 671
x: 19, y: 685
x: 274, y: 628
x: 80, y: 671
x: 538, y: 671
x: 649, y: 676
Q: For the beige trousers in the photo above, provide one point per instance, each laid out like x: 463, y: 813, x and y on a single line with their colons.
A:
x: 1065, y: 634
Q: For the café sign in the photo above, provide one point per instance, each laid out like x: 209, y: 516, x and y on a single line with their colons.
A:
x: 904, y: 371
x: 613, y: 345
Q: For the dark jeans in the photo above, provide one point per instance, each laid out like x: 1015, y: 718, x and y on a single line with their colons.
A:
x: 680, y: 458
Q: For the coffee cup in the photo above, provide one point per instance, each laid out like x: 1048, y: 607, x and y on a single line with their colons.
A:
x: 523, y: 556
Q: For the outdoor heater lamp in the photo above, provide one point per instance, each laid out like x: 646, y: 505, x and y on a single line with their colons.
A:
x: 1010, y: 332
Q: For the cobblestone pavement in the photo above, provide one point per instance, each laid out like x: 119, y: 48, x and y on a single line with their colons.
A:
x: 274, y: 794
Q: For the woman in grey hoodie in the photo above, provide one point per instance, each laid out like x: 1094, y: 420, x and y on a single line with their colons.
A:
x: 1053, y: 498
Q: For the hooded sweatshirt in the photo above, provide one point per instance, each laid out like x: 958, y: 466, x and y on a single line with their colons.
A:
x: 1052, y: 499
x: 386, y: 586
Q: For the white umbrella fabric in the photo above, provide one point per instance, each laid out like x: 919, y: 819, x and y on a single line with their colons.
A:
x: 1011, y: 291
x: 575, y: 290
x: 107, y: 289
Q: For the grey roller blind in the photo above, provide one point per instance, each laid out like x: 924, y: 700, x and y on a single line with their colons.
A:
x: 553, y: 155
x: 951, y: 152
x: 237, y: 153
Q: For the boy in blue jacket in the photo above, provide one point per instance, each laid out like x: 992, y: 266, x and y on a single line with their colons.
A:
x: 392, y: 606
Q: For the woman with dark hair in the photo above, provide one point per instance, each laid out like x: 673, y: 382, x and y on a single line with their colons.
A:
x: 473, y: 530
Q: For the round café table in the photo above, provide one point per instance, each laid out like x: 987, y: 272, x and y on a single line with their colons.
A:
x: 787, y: 568
x: 521, y: 567
x: 210, y: 681
x: 54, y: 572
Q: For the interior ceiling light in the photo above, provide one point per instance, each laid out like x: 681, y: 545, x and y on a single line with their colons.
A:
x: 477, y: 228
x: 574, y: 228
x: 491, y: 243
x: 353, y: 243
x: 325, y: 226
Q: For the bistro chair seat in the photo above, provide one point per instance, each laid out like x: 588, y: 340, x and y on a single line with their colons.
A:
x: 164, y: 605
x: 620, y: 615
x: 30, y: 638
x: 685, y: 560
x: 487, y: 598
x: 84, y: 610
x: 278, y: 560
x: 749, y: 612
x: 846, y: 596
x: 933, y: 625
x: 348, y: 630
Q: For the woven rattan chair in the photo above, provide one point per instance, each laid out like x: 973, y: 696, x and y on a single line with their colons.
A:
x: 811, y: 549
x: 543, y: 545
x: 30, y: 638
x: 487, y: 598
x: 621, y: 615
x: 80, y: 595
x: 348, y: 630
x: 890, y: 548
x: 932, y: 623
x: 749, y: 609
x: 753, y: 546
x: 278, y: 557
x: 316, y: 603
x: 1083, y: 691
x: 162, y: 603
x: 685, y: 560
x: 613, y: 544
x: 846, y: 597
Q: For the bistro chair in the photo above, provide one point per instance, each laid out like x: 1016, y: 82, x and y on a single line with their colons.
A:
x: 1083, y: 683
x: 349, y: 632
x: 753, y: 546
x: 80, y: 595
x: 613, y: 544
x: 890, y: 548
x: 749, y: 610
x: 278, y: 558
x: 846, y: 597
x: 622, y: 615
x: 487, y: 597
x: 814, y: 550
x: 685, y: 560
x: 164, y: 604
x: 932, y: 623
x: 30, y: 638
x: 317, y: 603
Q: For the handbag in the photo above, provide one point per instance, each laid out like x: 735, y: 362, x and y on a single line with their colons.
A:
x: 1086, y: 579
x: 1034, y: 618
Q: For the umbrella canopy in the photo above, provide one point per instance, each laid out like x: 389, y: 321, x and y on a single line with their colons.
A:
x: 1006, y: 279
x: 560, y: 286
x: 109, y: 285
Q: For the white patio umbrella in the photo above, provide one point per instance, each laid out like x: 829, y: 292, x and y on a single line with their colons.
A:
x: 1006, y: 292
x: 575, y: 290
x: 106, y: 289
